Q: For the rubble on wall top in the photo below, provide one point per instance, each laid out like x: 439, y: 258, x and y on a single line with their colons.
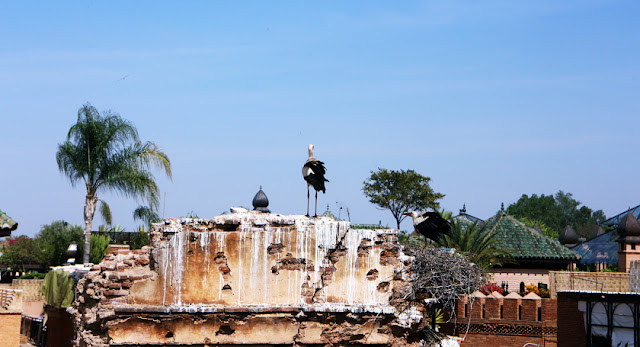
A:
x: 247, y: 219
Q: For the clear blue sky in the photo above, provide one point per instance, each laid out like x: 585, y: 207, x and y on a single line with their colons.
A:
x: 490, y: 99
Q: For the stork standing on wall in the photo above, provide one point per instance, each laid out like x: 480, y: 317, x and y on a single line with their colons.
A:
x: 430, y: 224
x: 313, y: 172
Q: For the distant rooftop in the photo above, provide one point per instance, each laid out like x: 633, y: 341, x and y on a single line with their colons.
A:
x: 329, y: 214
x: 526, y: 243
x: 601, y: 249
x: 615, y: 220
x: 466, y: 219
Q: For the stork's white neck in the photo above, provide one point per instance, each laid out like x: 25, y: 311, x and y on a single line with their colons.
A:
x: 310, y: 151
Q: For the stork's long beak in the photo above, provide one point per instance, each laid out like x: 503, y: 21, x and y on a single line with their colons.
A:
x: 407, y: 213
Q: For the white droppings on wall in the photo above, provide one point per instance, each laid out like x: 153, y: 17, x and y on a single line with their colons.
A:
x: 311, y: 242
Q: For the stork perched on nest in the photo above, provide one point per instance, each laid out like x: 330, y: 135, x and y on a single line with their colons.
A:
x: 313, y: 172
x: 430, y: 224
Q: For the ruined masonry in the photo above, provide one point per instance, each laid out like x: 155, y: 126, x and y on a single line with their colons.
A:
x: 249, y: 278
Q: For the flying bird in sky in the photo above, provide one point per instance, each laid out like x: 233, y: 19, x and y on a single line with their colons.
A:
x: 313, y: 172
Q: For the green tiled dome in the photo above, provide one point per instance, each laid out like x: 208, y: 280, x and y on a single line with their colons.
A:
x: 526, y: 243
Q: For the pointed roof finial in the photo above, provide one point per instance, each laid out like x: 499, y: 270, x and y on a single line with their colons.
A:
x: 502, y: 206
x: 260, y: 201
x: 464, y: 209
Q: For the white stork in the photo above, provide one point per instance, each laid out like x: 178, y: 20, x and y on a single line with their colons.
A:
x: 313, y: 172
x: 430, y: 224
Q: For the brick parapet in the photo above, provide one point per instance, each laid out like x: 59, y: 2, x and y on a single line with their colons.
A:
x: 492, y: 308
x: 530, y: 309
x: 549, y: 312
x: 537, y: 322
x: 511, y: 308
x: 476, y: 307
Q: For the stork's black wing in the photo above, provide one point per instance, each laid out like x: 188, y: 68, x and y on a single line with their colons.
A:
x: 316, y: 176
x: 433, y: 226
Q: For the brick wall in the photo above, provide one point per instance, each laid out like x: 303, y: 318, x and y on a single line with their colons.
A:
x: 510, y: 309
x: 473, y: 340
x: 634, y: 277
x: 571, y: 330
x: 513, y: 277
x: 524, y: 320
x: 10, y: 329
x: 31, y: 289
x: 589, y: 281
x: 10, y: 317
x: 629, y: 255
x: 549, y: 313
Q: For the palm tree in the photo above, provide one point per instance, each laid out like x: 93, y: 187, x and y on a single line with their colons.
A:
x: 478, y: 242
x: 103, y: 151
x: 146, y: 214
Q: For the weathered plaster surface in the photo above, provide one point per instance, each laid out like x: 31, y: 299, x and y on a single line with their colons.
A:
x: 248, y: 278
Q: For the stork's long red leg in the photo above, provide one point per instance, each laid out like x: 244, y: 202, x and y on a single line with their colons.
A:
x: 308, y: 198
x: 316, y: 211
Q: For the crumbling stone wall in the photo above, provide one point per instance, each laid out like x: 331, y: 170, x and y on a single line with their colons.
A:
x: 105, y: 286
x: 249, y: 278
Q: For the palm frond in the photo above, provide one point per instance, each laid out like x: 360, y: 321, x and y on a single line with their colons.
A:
x: 478, y: 242
x: 135, y: 184
x: 105, y: 212
x: 146, y: 214
x: 149, y: 155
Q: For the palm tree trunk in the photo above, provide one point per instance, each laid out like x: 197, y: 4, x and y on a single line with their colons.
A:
x: 89, y: 211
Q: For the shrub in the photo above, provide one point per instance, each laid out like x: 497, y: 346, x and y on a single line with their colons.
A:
x: 99, y: 246
x: 35, y: 275
x: 490, y: 288
x: 141, y: 239
x: 541, y: 292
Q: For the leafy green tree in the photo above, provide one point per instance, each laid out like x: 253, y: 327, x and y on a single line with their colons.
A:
x: 54, y: 239
x: 400, y: 191
x: 557, y: 211
x: 477, y: 242
x: 20, y: 251
x: 103, y: 152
